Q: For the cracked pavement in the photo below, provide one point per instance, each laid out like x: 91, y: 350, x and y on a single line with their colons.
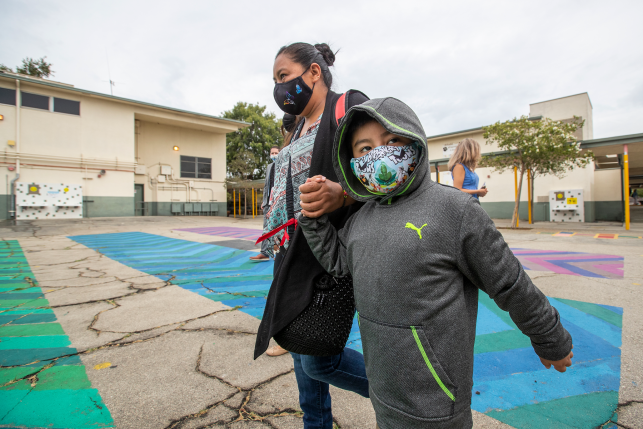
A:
x: 170, y: 358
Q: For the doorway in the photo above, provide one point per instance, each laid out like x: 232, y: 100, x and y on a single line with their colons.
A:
x: 139, y: 200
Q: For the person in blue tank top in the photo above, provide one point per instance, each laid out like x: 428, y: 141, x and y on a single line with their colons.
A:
x: 462, y: 166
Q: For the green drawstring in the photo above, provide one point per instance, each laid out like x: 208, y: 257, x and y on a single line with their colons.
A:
x: 389, y: 201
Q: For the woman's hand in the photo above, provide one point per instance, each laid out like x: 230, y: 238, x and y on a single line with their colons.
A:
x: 482, y: 192
x: 319, y: 196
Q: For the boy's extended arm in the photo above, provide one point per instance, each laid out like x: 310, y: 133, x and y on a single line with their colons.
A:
x: 327, y: 244
x: 487, y: 261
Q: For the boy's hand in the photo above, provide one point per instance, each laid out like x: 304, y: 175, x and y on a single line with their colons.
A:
x: 320, y: 195
x: 559, y: 365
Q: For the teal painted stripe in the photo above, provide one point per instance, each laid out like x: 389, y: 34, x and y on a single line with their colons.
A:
x: 27, y: 311
x: 37, y: 342
x: 583, y: 411
x: 61, y: 408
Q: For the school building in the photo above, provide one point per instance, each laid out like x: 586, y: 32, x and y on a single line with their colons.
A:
x: 70, y: 153
x: 600, y: 187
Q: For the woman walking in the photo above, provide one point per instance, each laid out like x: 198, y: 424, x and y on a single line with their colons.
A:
x: 462, y: 166
x: 303, y: 84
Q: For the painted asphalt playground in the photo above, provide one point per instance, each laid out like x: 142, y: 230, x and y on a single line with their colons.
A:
x: 510, y: 383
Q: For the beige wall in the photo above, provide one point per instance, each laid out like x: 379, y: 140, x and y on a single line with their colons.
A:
x: 501, y: 186
x: 567, y: 108
x: 155, y: 147
x: 59, y: 147
x: 607, y: 185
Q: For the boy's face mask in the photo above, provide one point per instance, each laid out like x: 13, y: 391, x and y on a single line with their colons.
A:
x: 273, y: 158
x: 385, y: 168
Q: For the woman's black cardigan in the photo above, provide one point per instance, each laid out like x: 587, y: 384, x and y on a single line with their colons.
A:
x: 292, y: 287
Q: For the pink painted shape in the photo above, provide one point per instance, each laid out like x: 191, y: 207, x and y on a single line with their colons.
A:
x: 617, y: 269
x: 551, y: 267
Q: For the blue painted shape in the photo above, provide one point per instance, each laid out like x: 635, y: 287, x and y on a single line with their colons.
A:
x: 607, y: 331
x: 489, y: 323
x: 539, y: 386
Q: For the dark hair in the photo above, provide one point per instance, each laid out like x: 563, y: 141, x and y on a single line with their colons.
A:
x: 358, y: 120
x: 274, y: 147
x: 306, y: 54
x: 289, y: 121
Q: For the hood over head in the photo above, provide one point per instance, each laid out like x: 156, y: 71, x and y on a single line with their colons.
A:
x: 397, y: 118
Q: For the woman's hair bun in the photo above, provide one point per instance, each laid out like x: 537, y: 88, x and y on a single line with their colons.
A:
x: 326, y: 52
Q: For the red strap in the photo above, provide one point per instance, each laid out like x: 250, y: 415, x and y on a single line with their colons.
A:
x: 285, y: 226
x: 340, y: 108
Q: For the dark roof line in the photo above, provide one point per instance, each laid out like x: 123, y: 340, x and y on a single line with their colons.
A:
x: 531, y: 118
x: 115, y: 98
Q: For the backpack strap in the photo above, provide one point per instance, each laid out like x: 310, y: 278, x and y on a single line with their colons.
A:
x: 340, y: 108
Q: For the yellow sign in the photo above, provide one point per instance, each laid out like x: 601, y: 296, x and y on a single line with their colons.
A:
x: 560, y: 196
x: 33, y: 189
x: 572, y: 201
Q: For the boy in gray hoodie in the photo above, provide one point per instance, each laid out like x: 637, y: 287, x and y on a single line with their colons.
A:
x: 418, y: 252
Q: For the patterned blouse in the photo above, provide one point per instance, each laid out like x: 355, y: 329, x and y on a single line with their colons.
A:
x: 297, y: 155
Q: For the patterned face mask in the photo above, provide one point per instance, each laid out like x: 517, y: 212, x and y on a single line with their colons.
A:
x: 385, y: 168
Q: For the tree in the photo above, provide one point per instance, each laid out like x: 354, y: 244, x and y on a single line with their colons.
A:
x: 38, y: 68
x: 540, y: 147
x: 248, y: 149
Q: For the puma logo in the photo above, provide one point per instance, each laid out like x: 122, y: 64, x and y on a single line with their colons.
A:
x: 415, y: 228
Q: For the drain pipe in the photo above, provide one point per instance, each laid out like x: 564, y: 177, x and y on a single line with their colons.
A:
x: 12, y: 211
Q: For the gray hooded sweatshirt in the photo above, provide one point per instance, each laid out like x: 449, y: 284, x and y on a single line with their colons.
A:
x: 416, y: 285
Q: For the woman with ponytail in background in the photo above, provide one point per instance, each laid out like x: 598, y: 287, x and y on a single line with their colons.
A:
x: 303, y: 84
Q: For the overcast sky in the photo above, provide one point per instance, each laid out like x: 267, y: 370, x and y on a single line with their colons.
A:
x: 459, y: 65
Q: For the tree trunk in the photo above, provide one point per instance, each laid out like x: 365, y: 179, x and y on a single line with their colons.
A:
x: 514, y: 219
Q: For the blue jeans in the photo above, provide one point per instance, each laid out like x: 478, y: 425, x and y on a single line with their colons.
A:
x: 315, y: 373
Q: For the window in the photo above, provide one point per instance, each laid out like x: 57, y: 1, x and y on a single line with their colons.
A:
x: 62, y: 105
x: 8, y: 96
x: 197, y: 168
x: 35, y: 101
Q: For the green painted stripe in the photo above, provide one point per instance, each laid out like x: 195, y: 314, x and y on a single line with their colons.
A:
x: 428, y: 363
x: 239, y: 295
x: 21, y: 310
x: 500, y: 341
x: 40, y: 342
x: 72, y: 377
x: 581, y: 411
x: 32, y: 303
x: 595, y: 310
x: 31, y: 330
x: 20, y: 289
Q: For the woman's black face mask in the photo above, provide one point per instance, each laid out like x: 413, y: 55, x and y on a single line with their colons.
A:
x: 293, y: 96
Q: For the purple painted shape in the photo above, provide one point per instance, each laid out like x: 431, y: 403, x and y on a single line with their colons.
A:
x: 571, y: 263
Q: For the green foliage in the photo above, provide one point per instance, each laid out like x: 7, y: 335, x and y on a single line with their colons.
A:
x: 540, y: 147
x: 31, y: 67
x: 248, y: 149
x: 543, y: 147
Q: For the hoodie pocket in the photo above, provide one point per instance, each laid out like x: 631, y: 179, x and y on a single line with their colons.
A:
x: 403, y: 372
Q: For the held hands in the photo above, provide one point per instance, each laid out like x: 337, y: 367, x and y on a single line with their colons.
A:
x: 320, y: 195
x: 482, y: 192
x: 559, y: 365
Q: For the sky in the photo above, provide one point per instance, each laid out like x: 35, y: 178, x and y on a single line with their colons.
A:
x: 458, y: 64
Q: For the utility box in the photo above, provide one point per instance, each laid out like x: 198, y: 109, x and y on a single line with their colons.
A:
x: 48, y: 200
x: 160, y: 178
x: 140, y: 169
x: 566, y: 206
x: 166, y: 170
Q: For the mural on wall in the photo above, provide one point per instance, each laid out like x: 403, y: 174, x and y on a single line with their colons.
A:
x: 48, y: 200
